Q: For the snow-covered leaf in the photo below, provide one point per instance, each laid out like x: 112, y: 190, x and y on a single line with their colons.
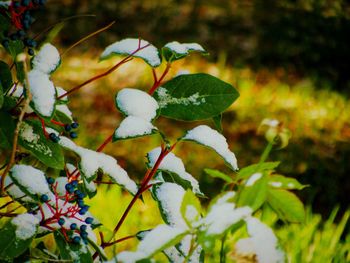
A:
x: 175, y: 50
x: 32, y: 138
x: 194, y: 97
x: 135, y: 48
x: 156, y: 240
x: 262, y: 243
x: 247, y: 171
x: 63, y: 112
x: 282, y: 182
x: 30, y: 181
x: 47, y: 59
x: 91, y: 162
x: 134, y: 102
x: 133, y: 127
x: 173, y: 164
x: 16, y: 193
x: 190, y: 208
x: 209, y: 137
x: 17, y: 235
x: 60, y: 91
x: 286, y: 204
x: 43, y: 94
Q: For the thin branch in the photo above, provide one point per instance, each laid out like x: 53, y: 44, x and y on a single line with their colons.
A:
x: 16, y: 133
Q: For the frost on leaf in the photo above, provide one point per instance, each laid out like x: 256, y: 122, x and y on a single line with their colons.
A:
x: 15, y: 192
x: 47, y: 59
x: 211, y: 138
x: 134, y: 102
x: 64, y: 110
x: 26, y: 226
x: 262, y: 242
x: 173, y: 164
x: 175, y: 50
x: 30, y: 180
x: 170, y: 196
x: 43, y: 93
x: 165, y: 99
x: 156, y: 240
x: 91, y: 162
x: 132, y: 127
x: 129, y: 46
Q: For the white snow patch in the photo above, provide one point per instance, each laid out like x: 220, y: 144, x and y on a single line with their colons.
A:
x: 65, y: 110
x: 26, y: 226
x: 290, y: 185
x: 134, y: 102
x: 61, y: 185
x: 207, y: 136
x: 60, y: 91
x: 128, y: 46
x: 156, y: 239
x: 225, y: 198
x: 184, y: 48
x: 264, y: 242
x: 191, y: 213
x: 32, y: 179
x: 133, y: 126
x: 182, y: 72
x: 170, y: 196
x: 15, y: 192
x: 5, y: 4
x: 92, y: 161
x: 43, y: 92
x: 27, y: 133
x: 47, y: 59
x: 166, y: 99
x: 270, y: 122
x: 173, y: 164
x: 275, y: 184
x: 255, y: 177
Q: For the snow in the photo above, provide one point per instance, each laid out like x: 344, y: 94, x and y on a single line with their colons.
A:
x: 60, y: 91
x: 43, y: 92
x: 27, y: 133
x: 128, y: 46
x: 184, y: 48
x: 205, y: 135
x: 252, y: 179
x: 173, y: 164
x: 155, y: 240
x: 134, y: 102
x: 166, y: 99
x: 225, y: 197
x: 270, y: 122
x: 290, y: 185
x: 33, y: 180
x: 5, y: 4
x: 262, y: 242
x: 170, y: 197
x: 61, y: 185
x: 191, y: 213
x: 92, y: 161
x: 26, y: 226
x: 133, y: 126
x: 15, y: 192
x: 276, y: 184
x: 47, y: 59
x: 65, y: 110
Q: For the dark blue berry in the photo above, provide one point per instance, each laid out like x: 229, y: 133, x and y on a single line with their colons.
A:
x: 89, y: 220
x: 84, y: 234
x: 61, y: 221
x: 69, y: 188
x: 80, y: 203
x: 76, y: 240
x: 73, y: 226
x: 82, y: 211
x: 31, y: 53
x: 26, y: 24
x: 52, y: 135
x: 5, y: 43
x: 74, y: 183
x: 75, y: 125
x: 44, y: 198
x: 81, y: 196
x: 68, y: 127
x: 77, y: 192
x: 25, y: 2
x: 83, y: 228
x: 73, y: 135
x: 50, y: 180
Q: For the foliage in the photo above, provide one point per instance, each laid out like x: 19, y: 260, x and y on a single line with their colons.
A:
x: 52, y: 177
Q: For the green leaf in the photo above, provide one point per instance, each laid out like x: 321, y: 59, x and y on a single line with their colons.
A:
x: 175, y: 50
x: 15, y: 47
x: 5, y: 76
x: 6, y: 131
x: 217, y: 122
x: 33, y: 139
x: 20, y: 74
x: 254, y: 192
x: 130, y: 47
x: 286, y: 204
x: 4, y: 24
x: 1, y: 96
x: 11, y: 245
x: 218, y: 174
x: 190, y: 208
x: 254, y: 168
x: 71, y: 251
x: 194, y: 97
x: 280, y: 181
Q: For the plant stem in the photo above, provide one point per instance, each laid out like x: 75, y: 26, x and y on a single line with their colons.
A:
x: 104, y: 144
x: 16, y: 133
x: 266, y: 153
x: 123, y: 61
x: 222, y: 250
x: 158, y: 82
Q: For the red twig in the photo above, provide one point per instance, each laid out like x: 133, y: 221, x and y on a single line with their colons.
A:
x: 158, y: 82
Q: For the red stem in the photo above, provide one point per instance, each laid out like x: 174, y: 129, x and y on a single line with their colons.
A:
x: 126, y: 59
x: 158, y: 82
x: 103, y: 145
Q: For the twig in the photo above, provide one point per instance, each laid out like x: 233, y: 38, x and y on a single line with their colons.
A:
x: 20, y: 119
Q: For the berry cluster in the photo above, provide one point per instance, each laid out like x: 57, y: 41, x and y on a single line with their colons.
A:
x: 66, y: 212
x: 68, y: 128
x: 20, y: 13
